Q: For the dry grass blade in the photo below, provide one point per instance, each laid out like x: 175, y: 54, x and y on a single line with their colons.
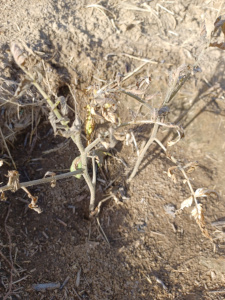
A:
x: 100, y: 7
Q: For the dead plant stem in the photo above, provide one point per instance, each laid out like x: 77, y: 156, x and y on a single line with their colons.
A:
x: 41, y: 181
x: 10, y: 256
x: 3, y: 138
x: 144, y: 150
x: 77, y: 140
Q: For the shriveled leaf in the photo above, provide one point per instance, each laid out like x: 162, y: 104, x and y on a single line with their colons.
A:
x: 187, y: 203
x: 203, y: 192
x: 64, y: 106
x: 180, y: 135
x: 13, y: 180
x: 219, y: 26
x: 90, y: 123
x: 191, y: 167
x: 3, y: 197
x: 197, y: 213
x: 18, y: 54
x: 23, y: 87
x: 52, y: 120
x: 76, y: 165
x: 218, y: 45
x: 109, y: 115
x: 34, y: 206
x: 171, y: 174
x: 51, y: 174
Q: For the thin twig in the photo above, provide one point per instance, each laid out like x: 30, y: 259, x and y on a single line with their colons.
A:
x: 8, y: 262
x: 175, y: 161
x: 10, y: 256
x: 41, y: 181
x: 102, y: 231
x: 144, y: 150
x: 94, y: 171
x: 3, y: 138
x: 115, y: 83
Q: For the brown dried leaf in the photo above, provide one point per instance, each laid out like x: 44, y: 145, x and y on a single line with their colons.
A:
x: 219, y: 26
x: 109, y: 115
x: 171, y: 174
x: 204, y: 192
x: 3, y: 197
x: 197, y: 213
x: 33, y: 204
x: 180, y: 135
x: 218, y: 45
x: 192, y: 167
x: 13, y: 180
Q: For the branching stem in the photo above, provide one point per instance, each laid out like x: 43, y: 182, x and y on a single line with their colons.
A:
x: 144, y: 150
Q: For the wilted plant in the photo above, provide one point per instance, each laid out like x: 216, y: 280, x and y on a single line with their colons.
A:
x: 103, y: 107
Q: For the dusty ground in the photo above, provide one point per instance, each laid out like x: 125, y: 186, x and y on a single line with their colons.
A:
x: 151, y: 254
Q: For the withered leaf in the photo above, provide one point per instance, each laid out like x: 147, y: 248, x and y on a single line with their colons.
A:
x: 64, y: 106
x: 204, y: 192
x: 171, y: 174
x: 197, y: 213
x: 18, y: 54
x: 52, y: 174
x: 187, y: 202
x: 180, y: 135
x: 219, y: 26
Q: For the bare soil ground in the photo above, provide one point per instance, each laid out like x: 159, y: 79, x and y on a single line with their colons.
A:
x: 152, y: 254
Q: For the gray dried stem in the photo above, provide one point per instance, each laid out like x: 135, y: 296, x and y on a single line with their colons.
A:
x: 40, y: 181
x: 178, y: 82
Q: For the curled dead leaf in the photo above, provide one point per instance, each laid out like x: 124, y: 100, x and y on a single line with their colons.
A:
x: 109, y: 115
x: 219, y: 26
x: 187, y: 202
x: 180, y: 135
x: 171, y: 174
x: 13, y: 180
x: 197, y: 213
x: 51, y: 174
x: 34, y: 206
x: 18, y: 54
x: 191, y: 167
x: 204, y: 192
x: 3, y: 197
x: 64, y: 106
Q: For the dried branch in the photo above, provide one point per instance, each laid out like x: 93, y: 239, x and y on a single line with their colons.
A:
x: 40, y: 181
